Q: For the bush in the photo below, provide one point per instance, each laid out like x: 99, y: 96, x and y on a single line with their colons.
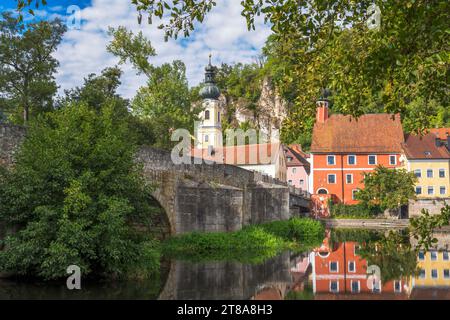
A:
x: 355, y: 211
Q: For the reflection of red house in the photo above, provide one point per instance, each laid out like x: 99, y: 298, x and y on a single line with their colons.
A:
x: 341, y: 271
x: 344, y: 148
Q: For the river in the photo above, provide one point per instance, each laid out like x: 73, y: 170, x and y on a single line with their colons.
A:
x: 335, y: 270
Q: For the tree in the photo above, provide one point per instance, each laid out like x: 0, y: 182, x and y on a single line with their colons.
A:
x: 74, y: 196
x: 164, y: 104
x: 387, y: 188
x: 27, y: 84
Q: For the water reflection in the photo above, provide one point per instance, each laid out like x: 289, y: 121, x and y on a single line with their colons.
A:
x: 335, y: 270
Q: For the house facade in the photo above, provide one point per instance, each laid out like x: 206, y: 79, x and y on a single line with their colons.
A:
x: 344, y: 148
x: 429, y: 158
x: 298, y: 168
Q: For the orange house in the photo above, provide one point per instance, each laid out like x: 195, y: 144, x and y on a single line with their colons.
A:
x: 344, y: 148
x: 339, y: 271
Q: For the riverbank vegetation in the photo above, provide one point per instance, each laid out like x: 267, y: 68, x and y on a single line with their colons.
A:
x: 251, y: 244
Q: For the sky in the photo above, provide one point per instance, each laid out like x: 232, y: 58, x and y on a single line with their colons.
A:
x: 224, y: 34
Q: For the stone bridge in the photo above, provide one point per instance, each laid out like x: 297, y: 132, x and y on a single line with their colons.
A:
x: 201, y: 197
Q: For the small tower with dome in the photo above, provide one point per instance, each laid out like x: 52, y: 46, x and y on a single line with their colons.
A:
x: 209, y: 132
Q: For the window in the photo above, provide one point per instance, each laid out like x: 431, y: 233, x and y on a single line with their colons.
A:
x: 434, y: 274
x: 433, y: 255
x: 290, y: 181
x: 441, y: 173
x: 332, y: 178
x: 430, y: 190
x: 376, y: 286
x: 207, y: 115
x: 446, y: 273
x: 355, y: 286
x: 334, y: 286
x: 429, y: 173
x: 349, y: 178
x: 351, y: 160
x: 331, y: 160
x: 289, y: 159
x: 421, y: 256
x: 351, y: 266
x: 445, y: 255
x: 392, y: 160
x: 372, y: 159
x: 334, y: 266
x: 418, y: 173
x: 322, y: 191
x: 397, y: 286
x: 206, y: 138
x: 294, y: 170
x: 418, y: 190
x: 218, y: 116
x: 302, y: 182
x: 354, y: 192
x: 442, y: 190
x: 422, y: 274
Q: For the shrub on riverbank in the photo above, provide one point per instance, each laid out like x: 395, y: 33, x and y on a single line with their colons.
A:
x: 251, y: 244
x: 355, y: 211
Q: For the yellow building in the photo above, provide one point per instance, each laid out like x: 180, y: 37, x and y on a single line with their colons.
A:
x: 434, y: 269
x: 428, y: 157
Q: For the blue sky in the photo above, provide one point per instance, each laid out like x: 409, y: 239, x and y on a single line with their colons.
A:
x: 83, y: 50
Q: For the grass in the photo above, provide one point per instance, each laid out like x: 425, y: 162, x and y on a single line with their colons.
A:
x: 252, y: 244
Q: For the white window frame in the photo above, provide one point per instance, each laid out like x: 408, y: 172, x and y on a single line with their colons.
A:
x: 294, y: 170
x: 301, y: 182
x: 334, y: 160
x: 290, y: 182
x: 440, y: 190
x: 428, y: 190
x: 206, y: 138
x: 437, y: 274
x: 351, y: 175
x: 337, y: 267
x: 335, y: 178
x: 354, y: 266
x: 395, y: 157
x: 443, y: 258
x: 368, y: 159
x: 353, y: 193
x: 424, y: 274
x: 432, y: 173
x: 421, y: 189
x: 348, y: 160
x: 424, y: 256
x: 443, y: 274
x: 431, y: 255
x: 379, y: 286
x: 337, y: 287
x: 351, y: 286
x: 442, y: 170
x: 419, y: 171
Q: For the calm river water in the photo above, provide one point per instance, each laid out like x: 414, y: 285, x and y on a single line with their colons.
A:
x: 335, y: 270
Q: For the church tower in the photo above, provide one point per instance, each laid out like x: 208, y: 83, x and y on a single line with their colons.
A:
x: 209, y: 132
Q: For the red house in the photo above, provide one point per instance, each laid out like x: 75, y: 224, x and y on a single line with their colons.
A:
x: 343, y: 148
x: 340, y: 272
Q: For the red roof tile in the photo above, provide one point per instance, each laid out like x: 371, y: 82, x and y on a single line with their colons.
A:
x: 297, y: 159
x: 377, y: 133
x: 424, y: 147
x: 441, y: 133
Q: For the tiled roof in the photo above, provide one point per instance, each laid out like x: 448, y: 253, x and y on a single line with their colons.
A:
x: 441, y: 133
x: 424, y: 147
x: 297, y: 159
x: 254, y: 154
x: 377, y: 133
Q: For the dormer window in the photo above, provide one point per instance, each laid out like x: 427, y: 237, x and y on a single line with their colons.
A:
x: 427, y: 153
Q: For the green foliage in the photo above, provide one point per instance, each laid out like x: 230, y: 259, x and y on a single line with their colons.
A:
x: 354, y: 211
x: 422, y: 227
x: 252, y: 244
x: 27, y: 85
x: 387, y: 188
x: 306, y: 294
x: 73, y: 195
x: 360, y: 236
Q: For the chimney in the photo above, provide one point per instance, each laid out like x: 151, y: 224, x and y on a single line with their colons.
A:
x: 322, y: 110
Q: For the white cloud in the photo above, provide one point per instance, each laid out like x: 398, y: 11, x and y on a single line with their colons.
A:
x: 224, y: 34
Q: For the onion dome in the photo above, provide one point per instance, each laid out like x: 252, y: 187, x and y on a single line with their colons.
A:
x: 210, y: 90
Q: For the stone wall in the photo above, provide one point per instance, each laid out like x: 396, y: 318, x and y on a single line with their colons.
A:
x: 434, y: 206
x: 10, y: 139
